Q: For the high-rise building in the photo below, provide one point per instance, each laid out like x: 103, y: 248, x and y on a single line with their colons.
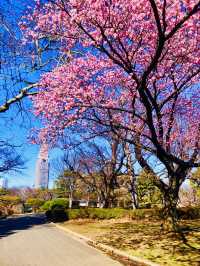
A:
x: 3, y: 183
x: 42, y: 168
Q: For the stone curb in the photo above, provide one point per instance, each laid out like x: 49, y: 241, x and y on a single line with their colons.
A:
x: 107, y: 248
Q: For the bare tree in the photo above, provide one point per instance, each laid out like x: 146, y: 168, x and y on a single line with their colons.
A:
x: 98, y: 168
x: 9, y: 159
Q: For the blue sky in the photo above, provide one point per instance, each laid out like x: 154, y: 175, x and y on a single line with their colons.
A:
x: 15, y: 127
x: 18, y: 132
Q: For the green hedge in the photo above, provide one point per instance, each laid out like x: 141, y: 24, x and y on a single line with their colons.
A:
x: 57, y: 214
x: 115, y: 213
x: 62, y: 202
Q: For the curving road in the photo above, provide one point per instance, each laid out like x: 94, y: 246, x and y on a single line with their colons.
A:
x: 29, y: 241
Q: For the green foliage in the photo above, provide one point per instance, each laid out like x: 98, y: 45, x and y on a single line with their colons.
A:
x: 50, y: 204
x: 47, y: 205
x: 8, y: 200
x: 3, y: 192
x: 57, y: 214
x: 56, y: 210
x: 148, y: 194
x: 65, y: 183
x: 48, y: 215
x: 106, y: 213
x: 35, y: 203
x: 115, y: 213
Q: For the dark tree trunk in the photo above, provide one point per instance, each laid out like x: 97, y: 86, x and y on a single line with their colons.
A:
x: 104, y: 199
x: 170, y: 212
x: 134, y: 199
x: 130, y: 171
x: 106, y: 203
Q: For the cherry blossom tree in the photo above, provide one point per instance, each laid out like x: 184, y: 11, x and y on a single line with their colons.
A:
x: 137, y: 73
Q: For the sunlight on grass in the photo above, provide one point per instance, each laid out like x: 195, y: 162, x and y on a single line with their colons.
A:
x: 144, y: 239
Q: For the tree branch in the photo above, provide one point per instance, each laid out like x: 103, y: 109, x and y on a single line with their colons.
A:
x: 22, y: 94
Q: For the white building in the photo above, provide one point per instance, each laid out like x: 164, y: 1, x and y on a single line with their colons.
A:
x: 3, y: 183
x: 42, y: 168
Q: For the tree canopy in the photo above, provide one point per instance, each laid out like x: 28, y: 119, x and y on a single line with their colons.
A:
x: 128, y: 77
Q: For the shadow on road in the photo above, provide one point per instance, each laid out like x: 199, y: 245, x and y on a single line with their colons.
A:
x: 13, y: 224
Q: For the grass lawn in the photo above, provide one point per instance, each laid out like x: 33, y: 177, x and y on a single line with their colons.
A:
x: 143, y: 238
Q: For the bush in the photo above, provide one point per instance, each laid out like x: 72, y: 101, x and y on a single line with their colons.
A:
x: 78, y: 213
x: 50, y: 204
x: 35, y: 203
x: 48, y: 215
x: 56, y: 209
x: 115, y: 213
x: 57, y: 214
x: 47, y: 205
x: 107, y: 213
x: 7, y: 200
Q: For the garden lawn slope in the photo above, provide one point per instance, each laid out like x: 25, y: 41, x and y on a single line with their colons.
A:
x: 143, y: 238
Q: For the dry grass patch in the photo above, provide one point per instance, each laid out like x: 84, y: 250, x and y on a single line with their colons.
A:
x: 145, y: 239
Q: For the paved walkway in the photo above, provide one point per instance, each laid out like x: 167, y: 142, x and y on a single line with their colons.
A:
x: 30, y: 241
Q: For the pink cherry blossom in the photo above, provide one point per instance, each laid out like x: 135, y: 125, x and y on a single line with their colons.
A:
x: 139, y: 68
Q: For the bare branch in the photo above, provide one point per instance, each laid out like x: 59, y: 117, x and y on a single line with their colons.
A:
x: 22, y: 94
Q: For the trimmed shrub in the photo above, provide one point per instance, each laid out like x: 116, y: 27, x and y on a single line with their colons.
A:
x: 107, y: 213
x: 62, y: 202
x: 78, y: 213
x: 115, y: 213
x: 48, y: 215
x: 56, y: 209
x: 47, y: 205
x: 57, y: 214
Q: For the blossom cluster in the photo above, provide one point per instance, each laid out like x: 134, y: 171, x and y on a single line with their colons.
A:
x: 118, y: 40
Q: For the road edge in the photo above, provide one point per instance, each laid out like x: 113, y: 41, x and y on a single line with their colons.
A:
x: 108, y: 249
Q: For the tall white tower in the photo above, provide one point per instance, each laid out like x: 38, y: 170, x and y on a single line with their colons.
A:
x: 3, y: 183
x: 42, y: 168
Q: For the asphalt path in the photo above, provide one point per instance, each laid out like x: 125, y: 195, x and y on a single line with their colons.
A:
x: 30, y: 241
